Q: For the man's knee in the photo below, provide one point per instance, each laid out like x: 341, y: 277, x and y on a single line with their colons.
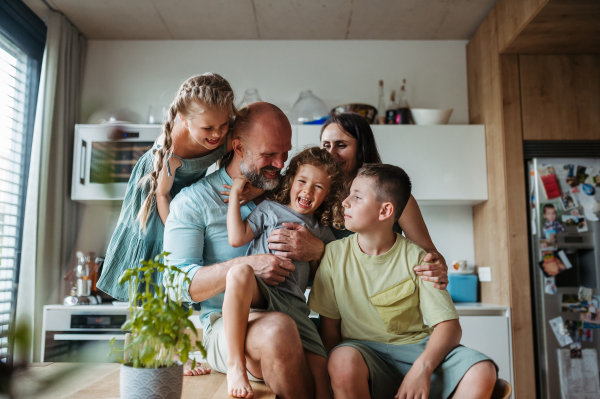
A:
x: 347, y: 367
x: 280, y: 336
x: 239, y: 275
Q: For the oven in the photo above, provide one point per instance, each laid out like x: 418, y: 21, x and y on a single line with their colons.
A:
x: 82, y: 333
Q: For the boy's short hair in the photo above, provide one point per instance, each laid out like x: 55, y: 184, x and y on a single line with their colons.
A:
x: 391, y: 183
x: 547, y: 206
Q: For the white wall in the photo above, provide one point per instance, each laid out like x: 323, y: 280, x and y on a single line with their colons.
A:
x: 137, y: 74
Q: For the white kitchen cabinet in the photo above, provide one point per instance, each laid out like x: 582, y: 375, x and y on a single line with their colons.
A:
x: 446, y: 163
x: 486, y: 328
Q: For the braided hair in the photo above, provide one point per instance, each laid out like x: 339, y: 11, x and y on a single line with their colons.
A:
x: 209, y: 90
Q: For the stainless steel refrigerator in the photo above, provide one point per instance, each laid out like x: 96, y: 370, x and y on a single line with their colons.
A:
x: 564, y: 208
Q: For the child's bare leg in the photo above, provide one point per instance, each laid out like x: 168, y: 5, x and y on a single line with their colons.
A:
x: 241, y: 292
x: 349, y: 374
x: 478, y: 381
x: 318, y: 367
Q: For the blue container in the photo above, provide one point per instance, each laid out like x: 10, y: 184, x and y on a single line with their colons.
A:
x: 463, y: 287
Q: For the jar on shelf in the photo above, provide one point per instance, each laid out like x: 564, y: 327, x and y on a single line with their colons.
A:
x: 309, y: 110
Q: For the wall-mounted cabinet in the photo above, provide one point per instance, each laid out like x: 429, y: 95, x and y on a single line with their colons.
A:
x: 446, y: 163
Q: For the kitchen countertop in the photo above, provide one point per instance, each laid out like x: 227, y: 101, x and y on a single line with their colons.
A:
x: 481, y: 309
x: 101, y: 381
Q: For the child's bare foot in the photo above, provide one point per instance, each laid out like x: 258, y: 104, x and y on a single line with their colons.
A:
x: 238, y: 385
x: 198, y: 370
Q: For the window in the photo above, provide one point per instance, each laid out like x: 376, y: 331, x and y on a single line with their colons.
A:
x: 22, y: 39
x: 13, y: 157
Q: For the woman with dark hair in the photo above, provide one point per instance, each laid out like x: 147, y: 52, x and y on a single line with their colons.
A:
x: 349, y: 138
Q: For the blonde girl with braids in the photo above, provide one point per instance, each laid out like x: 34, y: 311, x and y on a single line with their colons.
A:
x: 194, y: 137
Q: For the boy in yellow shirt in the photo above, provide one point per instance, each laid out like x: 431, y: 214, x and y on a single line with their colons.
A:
x: 372, y: 306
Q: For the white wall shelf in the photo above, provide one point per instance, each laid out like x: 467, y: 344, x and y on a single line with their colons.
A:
x: 446, y: 163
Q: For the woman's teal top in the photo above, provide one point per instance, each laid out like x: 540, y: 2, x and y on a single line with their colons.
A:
x: 129, y: 243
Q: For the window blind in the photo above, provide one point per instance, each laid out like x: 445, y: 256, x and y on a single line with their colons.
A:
x: 15, y: 68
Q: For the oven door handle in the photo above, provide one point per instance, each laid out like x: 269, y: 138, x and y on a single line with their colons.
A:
x: 88, y: 337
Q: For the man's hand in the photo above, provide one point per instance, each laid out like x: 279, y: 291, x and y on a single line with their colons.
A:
x: 296, y: 242
x: 270, y: 268
x: 416, y: 384
x: 436, y: 271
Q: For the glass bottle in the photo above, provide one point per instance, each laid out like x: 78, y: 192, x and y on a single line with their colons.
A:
x: 381, y: 105
x: 392, y: 110
x: 403, y: 115
x: 250, y: 96
x: 309, y: 110
x: 82, y: 272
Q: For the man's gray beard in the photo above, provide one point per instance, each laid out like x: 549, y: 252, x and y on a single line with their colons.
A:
x: 257, y: 179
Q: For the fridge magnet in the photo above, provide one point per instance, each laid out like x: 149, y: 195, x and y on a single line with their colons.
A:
x: 571, y: 303
x: 575, y: 350
x: 569, y: 220
x: 581, y: 174
x: 549, y: 181
x: 549, y: 215
x: 582, y: 225
x: 549, y: 285
x: 570, y: 168
x: 592, y: 314
x: 572, y: 181
x: 558, y: 327
x: 568, y: 201
x: 588, y: 189
x: 596, y: 180
x: 577, y: 332
x: 585, y: 294
x: 551, y: 265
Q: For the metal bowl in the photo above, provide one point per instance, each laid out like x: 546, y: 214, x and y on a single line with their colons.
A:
x: 367, y: 111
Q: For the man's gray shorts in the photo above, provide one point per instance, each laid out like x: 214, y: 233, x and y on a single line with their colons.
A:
x: 214, y: 337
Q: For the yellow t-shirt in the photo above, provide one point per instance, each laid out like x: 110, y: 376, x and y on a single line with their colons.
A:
x: 379, y: 298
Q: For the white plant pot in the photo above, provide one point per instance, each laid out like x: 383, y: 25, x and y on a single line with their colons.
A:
x: 162, y: 383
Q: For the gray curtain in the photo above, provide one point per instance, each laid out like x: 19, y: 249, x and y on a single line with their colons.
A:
x: 50, y: 227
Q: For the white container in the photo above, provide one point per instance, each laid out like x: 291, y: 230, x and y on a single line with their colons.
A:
x: 424, y: 116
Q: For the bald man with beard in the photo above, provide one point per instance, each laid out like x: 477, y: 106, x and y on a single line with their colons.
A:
x: 196, y: 237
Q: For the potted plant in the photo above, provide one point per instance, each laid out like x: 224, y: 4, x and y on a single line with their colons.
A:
x: 152, y: 365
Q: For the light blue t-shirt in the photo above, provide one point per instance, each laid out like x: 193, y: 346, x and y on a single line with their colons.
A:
x: 196, y: 234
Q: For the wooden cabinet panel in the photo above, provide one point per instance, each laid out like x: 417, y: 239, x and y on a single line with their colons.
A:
x: 560, y: 97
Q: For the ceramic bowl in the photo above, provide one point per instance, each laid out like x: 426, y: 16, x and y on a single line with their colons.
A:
x: 424, y: 116
x: 367, y: 111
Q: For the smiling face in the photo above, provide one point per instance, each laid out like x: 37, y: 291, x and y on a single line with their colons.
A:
x: 342, y: 146
x: 309, y: 189
x: 207, y: 127
x: 362, y: 211
x: 264, y: 148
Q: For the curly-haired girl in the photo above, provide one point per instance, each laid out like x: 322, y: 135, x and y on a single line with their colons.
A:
x: 310, y: 194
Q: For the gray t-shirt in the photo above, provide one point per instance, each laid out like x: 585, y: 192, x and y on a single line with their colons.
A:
x: 268, y: 216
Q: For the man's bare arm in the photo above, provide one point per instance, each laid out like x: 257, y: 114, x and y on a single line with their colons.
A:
x: 210, y: 280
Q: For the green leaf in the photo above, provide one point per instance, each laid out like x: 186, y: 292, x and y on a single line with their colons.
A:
x: 193, y: 364
x: 147, y: 354
x: 112, y: 341
x: 127, y: 325
x: 166, y: 339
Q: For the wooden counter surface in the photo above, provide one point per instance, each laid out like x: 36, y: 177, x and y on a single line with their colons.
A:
x: 101, y: 381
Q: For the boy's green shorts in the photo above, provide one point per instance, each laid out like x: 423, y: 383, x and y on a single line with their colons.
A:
x: 388, y: 364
